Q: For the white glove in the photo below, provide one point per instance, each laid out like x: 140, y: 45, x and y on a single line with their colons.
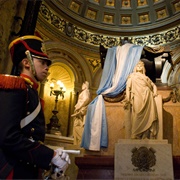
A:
x: 61, y: 159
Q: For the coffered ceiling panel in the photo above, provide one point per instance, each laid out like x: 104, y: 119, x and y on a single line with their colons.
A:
x: 119, y: 16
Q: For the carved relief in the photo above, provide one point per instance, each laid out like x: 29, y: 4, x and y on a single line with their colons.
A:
x: 94, y: 63
x: 144, y: 18
x: 142, y: 2
x: 177, y: 6
x: 161, y: 13
x: 69, y: 29
x: 109, y: 41
x: 125, y: 19
x: 81, y: 35
x: 110, y: 3
x: 108, y: 18
x: 91, y: 14
x: 75, y: 6
x: 144, y: 159
x: 126, y: 3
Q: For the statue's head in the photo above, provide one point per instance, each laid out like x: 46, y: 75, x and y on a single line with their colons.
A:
x: 140, y: 67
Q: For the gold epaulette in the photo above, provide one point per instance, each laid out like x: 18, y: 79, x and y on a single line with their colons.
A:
x: 12, y: 82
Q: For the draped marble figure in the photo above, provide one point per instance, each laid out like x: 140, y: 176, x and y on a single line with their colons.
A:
x: 80, y: 112
x: 141, y: 105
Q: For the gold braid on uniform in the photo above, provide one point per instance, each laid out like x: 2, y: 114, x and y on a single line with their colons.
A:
x: 12, y: 82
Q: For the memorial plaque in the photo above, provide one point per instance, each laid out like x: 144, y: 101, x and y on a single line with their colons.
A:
x: 143, y: 160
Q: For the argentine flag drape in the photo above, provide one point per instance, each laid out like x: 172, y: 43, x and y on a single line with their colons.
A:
x: 119, y: 63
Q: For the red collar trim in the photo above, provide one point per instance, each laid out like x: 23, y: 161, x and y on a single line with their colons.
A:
x: 30, y: 81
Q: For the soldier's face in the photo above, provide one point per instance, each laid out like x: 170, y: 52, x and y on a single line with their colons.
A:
x: 41, y: 68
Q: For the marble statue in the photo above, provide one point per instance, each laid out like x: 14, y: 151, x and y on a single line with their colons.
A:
x: 141, y: 105
x: 80, y: 113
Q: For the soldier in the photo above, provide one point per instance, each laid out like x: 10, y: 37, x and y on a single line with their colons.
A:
x: 22, y: 122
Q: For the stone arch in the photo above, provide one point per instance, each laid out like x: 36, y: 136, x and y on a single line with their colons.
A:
x: 71, y: 58
x: 71, y: 66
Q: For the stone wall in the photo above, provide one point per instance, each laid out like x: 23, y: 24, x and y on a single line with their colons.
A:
x: 8, y: 10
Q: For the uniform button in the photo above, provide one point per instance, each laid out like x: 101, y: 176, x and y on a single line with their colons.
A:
x: 28, y: 113
x: 32, y: 130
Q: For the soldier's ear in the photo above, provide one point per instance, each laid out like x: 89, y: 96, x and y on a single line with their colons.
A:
x: 25, y: 63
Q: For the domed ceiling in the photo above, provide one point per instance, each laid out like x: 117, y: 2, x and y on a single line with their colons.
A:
x: 107, y: 22
x: 118, y: 16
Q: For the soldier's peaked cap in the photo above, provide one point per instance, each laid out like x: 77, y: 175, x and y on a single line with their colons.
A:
x: 34, y: 44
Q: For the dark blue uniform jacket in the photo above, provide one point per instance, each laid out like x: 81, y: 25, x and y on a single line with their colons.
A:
x: 17, y: 150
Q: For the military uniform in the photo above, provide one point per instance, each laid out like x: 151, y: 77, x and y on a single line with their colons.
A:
x: 22, y: 122
x: 21, y: 148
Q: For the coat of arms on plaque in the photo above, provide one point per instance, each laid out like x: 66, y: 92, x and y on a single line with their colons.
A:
x: 143, y: 158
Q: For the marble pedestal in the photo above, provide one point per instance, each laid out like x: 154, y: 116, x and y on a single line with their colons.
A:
x: 143, y: 160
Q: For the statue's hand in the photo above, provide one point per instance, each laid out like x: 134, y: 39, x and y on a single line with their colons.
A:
x: 155, y: 95
x: 76, y: 113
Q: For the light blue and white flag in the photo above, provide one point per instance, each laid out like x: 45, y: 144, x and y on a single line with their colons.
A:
x: 119, y: 63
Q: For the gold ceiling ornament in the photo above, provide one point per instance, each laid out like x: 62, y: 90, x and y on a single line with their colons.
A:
x: 110, y: 2
x: 142, y: 2
x: 144, y: 18
x: 75, y: 6
x: 91, y: 14
x: 126, y: 19
x: 161, y: 13
x: 177, y: 6
x: 94, y: 63
x: 126, y: 3
x: 108, y: 18
x: 69, y: 29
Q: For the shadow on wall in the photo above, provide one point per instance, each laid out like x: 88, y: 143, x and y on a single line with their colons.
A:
x: 168, y: 126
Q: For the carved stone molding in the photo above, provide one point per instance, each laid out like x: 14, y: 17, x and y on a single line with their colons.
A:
x: 95, y: 39
x: 174, y: 96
